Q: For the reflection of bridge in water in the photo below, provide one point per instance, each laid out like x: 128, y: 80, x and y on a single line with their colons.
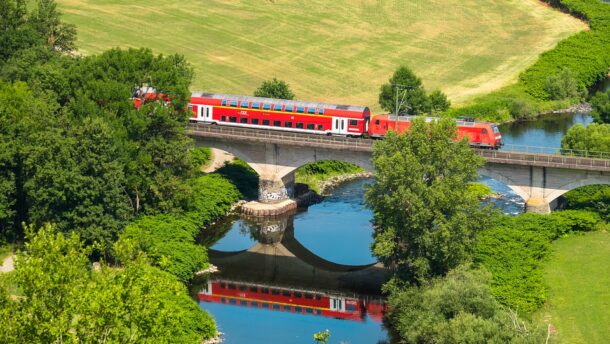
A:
x: 278, y: 258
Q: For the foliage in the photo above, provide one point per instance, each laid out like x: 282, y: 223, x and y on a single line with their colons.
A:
x: 58, y: 35
x: 438, y: 102
x: 594, y: 198
x: 458, y: 308
x: 242, y: 176
x: 313, y: 173
x: 601, y: 106
x: 200, y: 157
x: 425, y: 223
x: 563, y: 86
x: 169, y: 240
x: 274, y: 88
x: 412, y: 97
x: 479, y: 190
x: 590, y: 140
x: 513, y: 251
x: 322, y: 337
x: 62, y: 299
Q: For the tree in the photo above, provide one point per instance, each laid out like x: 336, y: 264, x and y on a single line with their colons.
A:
x: 562, y: 86
x: 425, y: 222
x: 438, y: 102
x: 57, y: 35
x: 410, y: 90
x: 274, y: 88
x: 63, y: 299
x: 592, y: 140
x: 458, y: 308
x: 601, y: 106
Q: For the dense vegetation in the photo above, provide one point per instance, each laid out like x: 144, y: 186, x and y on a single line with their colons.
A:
x: 313, y: 173
x: 560, y: 75
x: 80, y: 162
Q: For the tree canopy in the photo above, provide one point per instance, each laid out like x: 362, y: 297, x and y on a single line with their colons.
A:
x: 588, y: 140
x: 274, y: 88
x: 425, y: 221
x: 601, y: 106
x: 412, y: 97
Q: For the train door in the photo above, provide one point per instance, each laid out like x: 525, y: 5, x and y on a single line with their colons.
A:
x: 337, y: 304
x: 205, y: 113
x: 339, y: 125
x: 207, y: 289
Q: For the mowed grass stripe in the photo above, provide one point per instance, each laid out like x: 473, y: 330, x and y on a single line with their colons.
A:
x: 335, y: 51
x: 578, y: 276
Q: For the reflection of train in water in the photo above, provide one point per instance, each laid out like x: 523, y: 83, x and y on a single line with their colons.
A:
x: 293, y: 300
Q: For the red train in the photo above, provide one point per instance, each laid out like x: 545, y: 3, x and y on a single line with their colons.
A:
x: 292, y: 300
x: 314, y: 118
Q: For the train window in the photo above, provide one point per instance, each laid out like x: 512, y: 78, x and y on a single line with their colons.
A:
x: 288, y: 108
x: 231, y: 286
x: 376, y: 122
x: 224, y: 102
x: 190, y: 108
x: 254, y: 303
x: 310, y: 126
x: 495, y: 128
x: 300, y: 125
x: 350, y: 308
x: 320, y: 111
x: 276, y: 306
x: 277, y: 123
x: 286, y: 292
x: 266, y: 106
x: 300, y: 109
x: 353, y: 122
x: 232, y: 119
x: 311, y: 110
x: 232, y: 301
x: 265, y: 122
x: 223, y: 300
x: 298, y: 309
x: 308, y: 296
x: 223, y: 118
x: 254, y: 121
x: 243, y: 120
x: 265, y: 305
x: 320, y: 127
x: 256, y: 105
x: 275, y: 292
x: 484, y: 131
x: 242, y: 288
x: 223, y: 285
x: 298, y: 294
x: 277, y: 107
x: 264, y: 290
x: 244, y: 105
x: 287, y: 308
x: 318, y: 312
x: 318, y: 297
x: 233, y: 103
x: 243, y: 302
x: 309, y: 310
x: 288, y: 124
x: 254, y: 289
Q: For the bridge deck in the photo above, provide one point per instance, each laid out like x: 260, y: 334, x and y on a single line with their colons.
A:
x: 366, y: 145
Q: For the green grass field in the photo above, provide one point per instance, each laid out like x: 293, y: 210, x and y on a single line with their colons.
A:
x: 578, y: 276
x: 337, y: 51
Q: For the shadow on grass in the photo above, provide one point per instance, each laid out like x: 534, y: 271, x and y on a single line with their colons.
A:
x: 243, y: 177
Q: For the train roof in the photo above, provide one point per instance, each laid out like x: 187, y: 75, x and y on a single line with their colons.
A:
x: 279, y: 101
x: 458, y: 121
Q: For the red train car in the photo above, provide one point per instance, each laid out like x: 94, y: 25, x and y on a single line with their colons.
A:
x: 278, y: 114
x: 479, y: 134
x: 290, y: 300
x: 145, y: 94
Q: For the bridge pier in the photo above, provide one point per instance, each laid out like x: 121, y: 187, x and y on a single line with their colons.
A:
x: 273, y: 189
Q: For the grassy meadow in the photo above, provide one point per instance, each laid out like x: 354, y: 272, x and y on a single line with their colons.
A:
x: 336, y: 51
x: 578, y: 276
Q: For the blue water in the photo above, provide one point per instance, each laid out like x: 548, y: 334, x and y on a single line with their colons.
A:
x: 238, y: 238
x: 242, y: 324
x: 346, y: 235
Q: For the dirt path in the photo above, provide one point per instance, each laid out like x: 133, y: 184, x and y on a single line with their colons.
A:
x: 8, y: 264
x: 219, y: 158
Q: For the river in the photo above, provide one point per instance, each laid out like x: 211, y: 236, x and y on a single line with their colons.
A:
x: 278, y: 275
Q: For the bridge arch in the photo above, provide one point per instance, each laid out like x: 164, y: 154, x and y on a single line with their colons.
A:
x: 506, y: 180
x: 574, y: 185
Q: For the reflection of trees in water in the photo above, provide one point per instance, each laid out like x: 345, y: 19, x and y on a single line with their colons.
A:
x: 551, y: 124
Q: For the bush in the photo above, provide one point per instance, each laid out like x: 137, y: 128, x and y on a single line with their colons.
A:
x: 200, y: 156
x: 242, y: 176
x: 595, y: 198
x: 563, y: 86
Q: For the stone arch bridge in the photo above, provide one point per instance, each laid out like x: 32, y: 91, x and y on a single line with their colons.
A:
x: 538, y: 178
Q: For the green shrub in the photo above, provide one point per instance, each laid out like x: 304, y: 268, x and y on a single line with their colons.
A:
x: 200, y: 156
x: 242, y: 176
x: 594, y: 198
